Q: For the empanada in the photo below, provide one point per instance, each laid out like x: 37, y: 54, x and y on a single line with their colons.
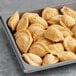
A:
x: 54, y: 19
x: 66, y: 55
x: 32, y: 59
x: 38, y: 34
x: 23, y: 40
x: 53, y: 34
x: 70, y: 44
x: 50, y: 59
x: 67, y: 21
x: 56, y: 48
x: 68, y: 11
x: 39, y: 49
x: 39, y: 20
x: 66, y: 31
x: 48, y: 12
x: 35, y: 27
x: 23, y: 23
x: 13, y: 20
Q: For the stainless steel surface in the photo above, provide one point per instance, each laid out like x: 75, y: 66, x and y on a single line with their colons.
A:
x: 8, y: 63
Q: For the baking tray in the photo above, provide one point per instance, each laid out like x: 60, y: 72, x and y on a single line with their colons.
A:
x: 24, y: 66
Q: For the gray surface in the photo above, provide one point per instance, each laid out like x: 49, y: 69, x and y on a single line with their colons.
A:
x: 8, y: 62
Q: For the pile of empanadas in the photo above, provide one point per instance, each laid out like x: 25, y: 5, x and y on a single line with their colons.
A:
x: 46, y: 38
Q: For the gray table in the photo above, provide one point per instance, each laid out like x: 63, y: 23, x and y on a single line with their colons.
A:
x: 8, y: 62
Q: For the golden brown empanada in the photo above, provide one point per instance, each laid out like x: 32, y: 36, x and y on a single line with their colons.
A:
x: 53, y: 34
x: 48, y: 12
x: 32, y: 59
x: 39, y: 49
x: 39, y: 20
x: 23, y: 40
x: 56, y: 48
x: 66, y: 55
x: 67, y: 21
x: 54, y: 19
x: 35, y: 27
x: 68, y: 11
x: 23, y: 23
x: 38, y: 34
x: 70, y: 44
x: 50, y: 59
x: 66, y: 31
x: 13, y: 20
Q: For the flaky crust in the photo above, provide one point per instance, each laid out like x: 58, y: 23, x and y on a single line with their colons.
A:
x: 67, y: 21
x: 23, y: 23
x: 23, y: 40
x: 53, y: 34
x: 32, y: 59
x: 39, y: 49
x: 48, y: 12
x: 50, y: 59
x: 13, y: 20
x: 66, y: 55
x: 68, y: 11
x: 56, y: 48
x: 70, y: 44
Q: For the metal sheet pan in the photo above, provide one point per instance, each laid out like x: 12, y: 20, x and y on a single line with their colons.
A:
x: 26, y: 67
